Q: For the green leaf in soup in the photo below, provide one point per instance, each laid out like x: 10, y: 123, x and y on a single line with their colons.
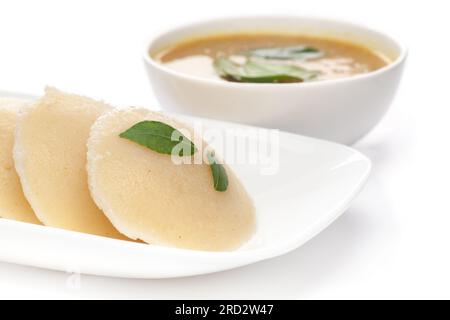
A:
x: 286, y: 53
x: 159, y: 137
x: 228, y: 69
x: 262, y: 71
x: 220, y: 176
x: 279, y: 72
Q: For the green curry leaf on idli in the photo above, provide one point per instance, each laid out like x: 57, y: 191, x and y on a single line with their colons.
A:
x: 219, y: 174
x: 159, y: 137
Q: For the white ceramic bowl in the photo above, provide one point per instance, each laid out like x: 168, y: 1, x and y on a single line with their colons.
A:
x: 342, y: 110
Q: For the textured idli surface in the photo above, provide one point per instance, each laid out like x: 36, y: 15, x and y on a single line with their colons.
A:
x: 13, y: 204
x: 50, y: 158
x: 147, y: 197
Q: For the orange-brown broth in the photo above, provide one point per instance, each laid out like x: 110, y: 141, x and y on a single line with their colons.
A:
x: 341, y: 59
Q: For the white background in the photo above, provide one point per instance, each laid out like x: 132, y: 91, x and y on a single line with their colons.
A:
x: 394, y: 242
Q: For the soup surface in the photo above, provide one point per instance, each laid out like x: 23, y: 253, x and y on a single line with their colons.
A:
x: 270, y: 58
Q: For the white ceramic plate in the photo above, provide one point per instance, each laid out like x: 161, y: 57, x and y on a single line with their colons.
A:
x: 315, y: 184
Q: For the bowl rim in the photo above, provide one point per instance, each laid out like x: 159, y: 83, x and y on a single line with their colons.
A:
x: 149, y: 60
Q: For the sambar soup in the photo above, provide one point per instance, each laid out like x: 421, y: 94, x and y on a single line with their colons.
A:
x: 270, y: 58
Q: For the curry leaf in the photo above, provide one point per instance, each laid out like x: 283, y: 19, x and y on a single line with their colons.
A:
x: 262, y: 71
x: 220, y: 176
x: 286, y: 53
x: 228, y: 69
x: 159, y: 137
x: 258, y: 68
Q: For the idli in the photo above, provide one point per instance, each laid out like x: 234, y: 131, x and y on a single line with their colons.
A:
x: 149, y: 197
x: 50, y: 158
x: 13, y: 204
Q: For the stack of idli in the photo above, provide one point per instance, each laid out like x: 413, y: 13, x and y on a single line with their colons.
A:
x: 64, y: 164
